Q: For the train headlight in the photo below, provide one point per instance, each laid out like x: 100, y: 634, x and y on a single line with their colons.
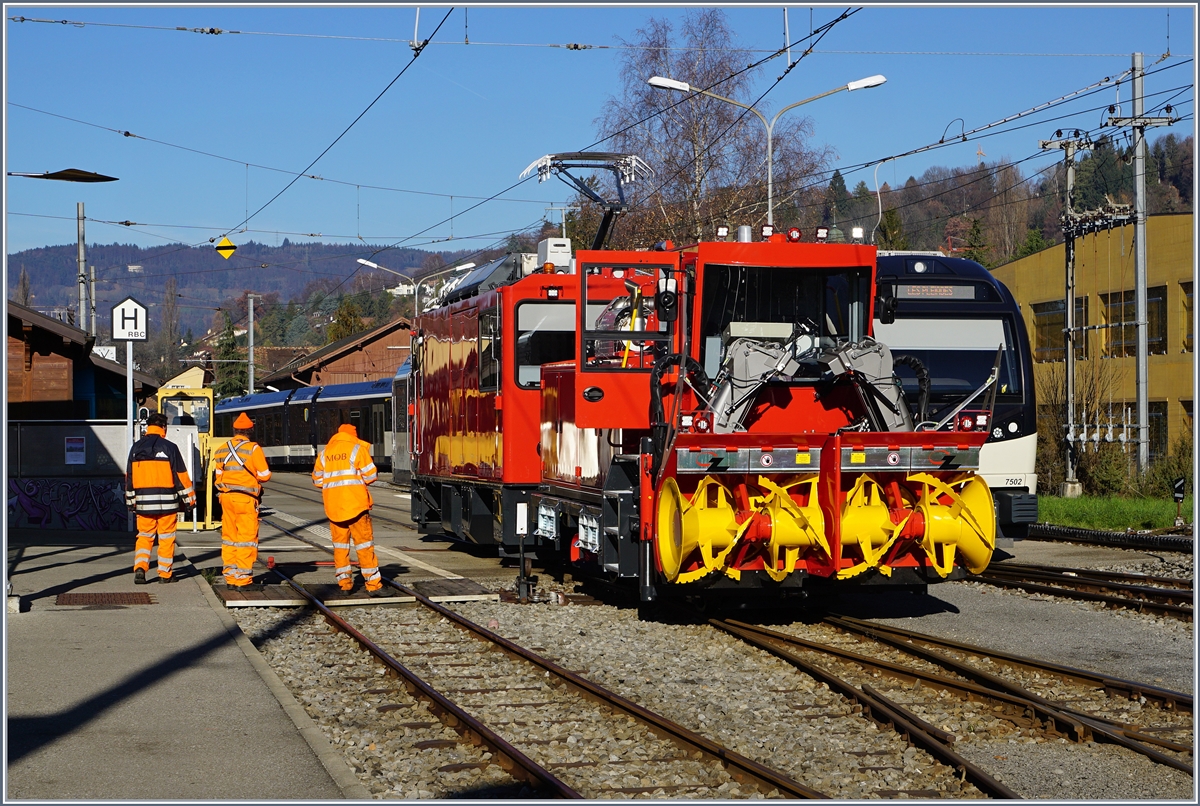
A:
x: 822, y: 234
x: 767, y: 231
x: 723, y: 231
x: 856, y: 233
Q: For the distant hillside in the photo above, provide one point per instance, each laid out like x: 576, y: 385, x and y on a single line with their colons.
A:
x: 204, y: 278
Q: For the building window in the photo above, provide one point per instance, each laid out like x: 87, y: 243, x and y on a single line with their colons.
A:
x: 1187, y: 415
x: 1187, y: 316
x: 1120, y: 314
x: 1049, y: 321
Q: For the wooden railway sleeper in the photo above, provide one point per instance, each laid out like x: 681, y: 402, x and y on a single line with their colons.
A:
x: 739, y: 767
x: 1015, y: 705
x: 881, y: 711
x: 1165, y: 698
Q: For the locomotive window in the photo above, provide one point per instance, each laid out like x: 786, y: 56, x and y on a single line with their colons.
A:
x: 626, y: 335
x: 545, y: 334
x: 834, y: 302
x: 489, y: 350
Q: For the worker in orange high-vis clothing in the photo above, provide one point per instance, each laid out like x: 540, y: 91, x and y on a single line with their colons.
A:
x: 240, y: 468
x: 342, y: 471
x: 157, y: 487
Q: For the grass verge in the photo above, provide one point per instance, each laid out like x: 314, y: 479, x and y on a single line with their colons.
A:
x: 1110, y: 513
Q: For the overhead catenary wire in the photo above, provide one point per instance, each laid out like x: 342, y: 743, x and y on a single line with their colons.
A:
x: 571, y: 46
x: 416, y: 55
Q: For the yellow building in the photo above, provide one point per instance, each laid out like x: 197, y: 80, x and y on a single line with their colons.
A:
x: 1104, y: 302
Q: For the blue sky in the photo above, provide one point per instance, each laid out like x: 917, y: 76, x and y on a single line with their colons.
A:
x: 465, y: 119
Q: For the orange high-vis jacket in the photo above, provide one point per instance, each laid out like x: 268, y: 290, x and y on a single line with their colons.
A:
x: 240, y: 467
x: 343, y: 470
x: 156, y: 479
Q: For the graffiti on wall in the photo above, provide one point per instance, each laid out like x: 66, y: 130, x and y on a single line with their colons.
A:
x: 79, y: 504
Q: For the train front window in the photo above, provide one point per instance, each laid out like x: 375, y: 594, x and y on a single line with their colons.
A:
x: 767, y: 302
x: 958, y: 353
x: 187, y: 411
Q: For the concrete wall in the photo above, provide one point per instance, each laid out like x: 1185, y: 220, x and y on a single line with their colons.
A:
x: 47, y: 489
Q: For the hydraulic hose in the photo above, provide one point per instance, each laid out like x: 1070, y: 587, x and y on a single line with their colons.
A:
x: 922, y: 382
x: 659, y: 427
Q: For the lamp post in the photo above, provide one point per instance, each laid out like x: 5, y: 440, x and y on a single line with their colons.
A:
x: 663, y: 83
x: 75, y: 175
x: 408, y: 280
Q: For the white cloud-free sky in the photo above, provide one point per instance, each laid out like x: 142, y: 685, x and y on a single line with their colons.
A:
x: 223, y: 118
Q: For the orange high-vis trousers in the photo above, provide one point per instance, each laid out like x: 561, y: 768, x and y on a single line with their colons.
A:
x: 239, y: 537
x: 149, y: 527
x: 359, y: 531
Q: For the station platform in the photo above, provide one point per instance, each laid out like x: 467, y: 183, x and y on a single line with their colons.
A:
x: 117, y: 691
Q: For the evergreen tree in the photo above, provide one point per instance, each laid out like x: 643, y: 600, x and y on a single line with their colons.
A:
x: 346, y: 321
x: 891, y: 231
x: 837, y: 199
x: 24, y: 294
x: 1034, y: 242
x: 977, y: 247
x: 229, y: 369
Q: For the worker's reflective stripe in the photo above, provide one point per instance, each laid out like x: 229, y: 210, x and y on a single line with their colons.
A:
x: 338, y: 545
x: 334, y: 474
x: 370, y: 544
x: 345, y: 483
x: 342, y: 572
x: 248, y: 545
x: 370, y: 574
x: 263, y: 474
x: 233, y: 488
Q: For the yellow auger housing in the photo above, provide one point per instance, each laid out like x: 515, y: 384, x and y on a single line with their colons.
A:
x: 964, y: 521
x: 943, y: 517
x: 711, y: 523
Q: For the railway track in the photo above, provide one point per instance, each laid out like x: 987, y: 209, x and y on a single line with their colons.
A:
x: 937, y: 695
x: 1147, y: 719
x: 551, y: 728
x: 1162, y: 596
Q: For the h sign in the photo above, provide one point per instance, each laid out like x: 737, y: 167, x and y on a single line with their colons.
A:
x: 129, y: 321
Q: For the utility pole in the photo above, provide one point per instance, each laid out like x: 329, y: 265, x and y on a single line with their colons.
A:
x: 83, y: 325
x: 250, y: 334
x: 1139, y: 123
x: 1074, y: 225
x: 92, y: 296
x: 1071, y: 488
x: 564, y: 211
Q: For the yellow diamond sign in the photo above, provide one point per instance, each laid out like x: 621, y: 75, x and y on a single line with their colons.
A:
x: 226, y: 247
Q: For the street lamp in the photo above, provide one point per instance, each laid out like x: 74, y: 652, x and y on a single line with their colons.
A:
x: 76, y: 175
x: 662, y: 83
x: 411, y: 284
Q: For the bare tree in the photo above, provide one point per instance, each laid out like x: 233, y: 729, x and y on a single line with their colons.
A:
x: 709, y: 156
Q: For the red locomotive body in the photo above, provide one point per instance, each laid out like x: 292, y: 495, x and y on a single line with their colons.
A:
x: 719, y: 418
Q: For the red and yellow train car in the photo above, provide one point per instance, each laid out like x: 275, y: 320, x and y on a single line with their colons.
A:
x: 706, y: 419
